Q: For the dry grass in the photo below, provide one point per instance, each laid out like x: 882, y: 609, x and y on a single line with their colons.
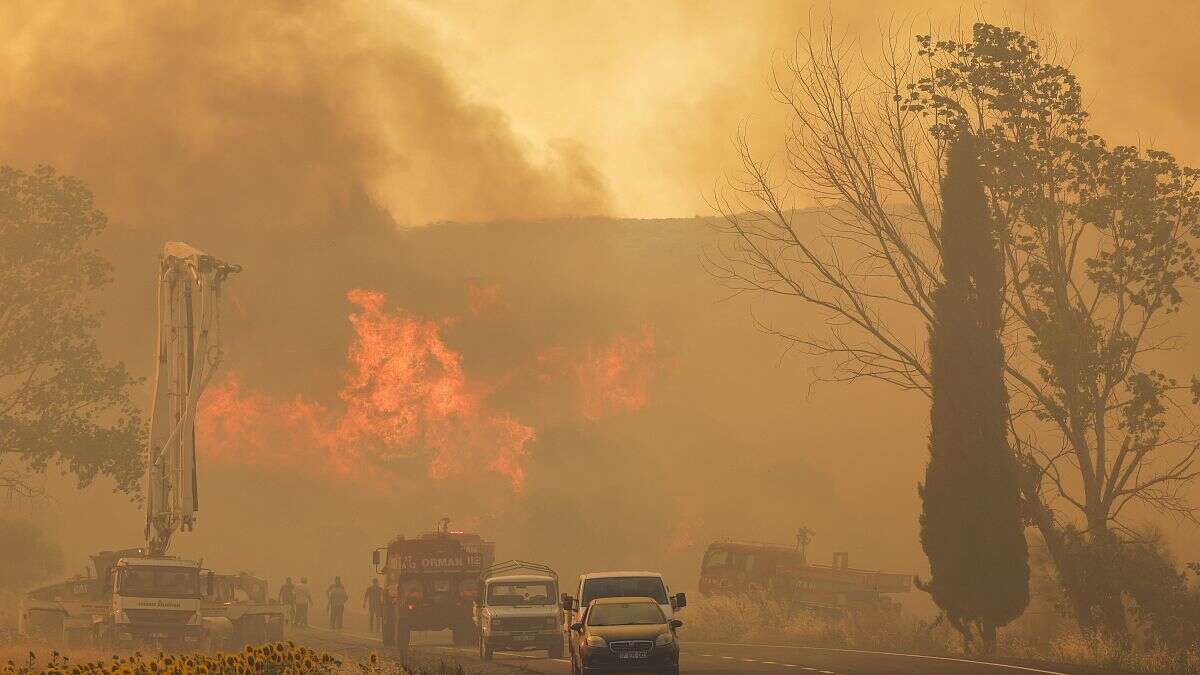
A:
x: 1094, y: 650
x: 743, y: 619
x: 1040, y: 637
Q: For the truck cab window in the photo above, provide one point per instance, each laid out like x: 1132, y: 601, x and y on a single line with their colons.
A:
x: 716, y: 558
x: 512, y: 594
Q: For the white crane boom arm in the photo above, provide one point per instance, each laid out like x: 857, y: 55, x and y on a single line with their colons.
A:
x: 189, y: 293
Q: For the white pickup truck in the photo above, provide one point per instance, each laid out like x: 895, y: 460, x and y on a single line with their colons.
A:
x: 516, y: 609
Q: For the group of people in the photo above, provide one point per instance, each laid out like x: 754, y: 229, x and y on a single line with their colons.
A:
x: 298, y: 597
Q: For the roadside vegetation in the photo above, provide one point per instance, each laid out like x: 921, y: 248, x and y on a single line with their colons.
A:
x: 1098, y: 250
x: 1043, y: 633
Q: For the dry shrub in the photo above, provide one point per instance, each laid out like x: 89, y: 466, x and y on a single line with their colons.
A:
x: 1040, y: 636
x: 1096, y: 650
x: 759, y: 619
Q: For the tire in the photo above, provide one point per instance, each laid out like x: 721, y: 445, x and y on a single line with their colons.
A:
x: 485, y: 649
x: 389, y: 626
x: 402, y: 635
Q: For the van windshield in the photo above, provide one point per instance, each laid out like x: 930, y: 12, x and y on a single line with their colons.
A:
x: 624, y: 587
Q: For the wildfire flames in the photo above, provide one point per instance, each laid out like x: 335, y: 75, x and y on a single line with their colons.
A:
x: 405, y: 396
x: 610, y: 377
x: 481, y: 296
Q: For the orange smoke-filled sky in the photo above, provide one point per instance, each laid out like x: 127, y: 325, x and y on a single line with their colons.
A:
x: 653, y: 91
x: 483, y: 110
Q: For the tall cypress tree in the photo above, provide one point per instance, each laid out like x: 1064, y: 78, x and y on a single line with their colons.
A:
x: 971, y: 523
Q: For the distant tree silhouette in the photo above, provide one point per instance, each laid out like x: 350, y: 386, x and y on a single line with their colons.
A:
x: 60, y: 401
x: 40, y: 556
x: 971, y: 523
x: 1098, y: 244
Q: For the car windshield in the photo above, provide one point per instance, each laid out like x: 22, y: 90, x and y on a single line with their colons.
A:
x: 144, y: 581
x: 624, y: 587
x: 625, y: 614
x: 520, y: 593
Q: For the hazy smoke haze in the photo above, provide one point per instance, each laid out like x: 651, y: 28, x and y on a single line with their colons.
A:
x: 569, y: 363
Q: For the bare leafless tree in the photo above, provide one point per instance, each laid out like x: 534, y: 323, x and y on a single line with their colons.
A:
x: 1097, y: 243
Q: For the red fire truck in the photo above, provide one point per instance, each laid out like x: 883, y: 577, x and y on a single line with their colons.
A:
x: 430, y: 583
x: 784, y: 574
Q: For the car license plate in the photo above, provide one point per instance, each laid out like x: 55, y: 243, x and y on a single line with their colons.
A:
x: 633, y: 655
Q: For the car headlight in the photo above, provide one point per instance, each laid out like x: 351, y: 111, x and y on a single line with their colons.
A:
x: 596, y: 641
x: 664, y: 640
x: 551, y: 621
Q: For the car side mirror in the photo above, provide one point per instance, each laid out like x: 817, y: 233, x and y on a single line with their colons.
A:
x: 577, y: 626
x: 680, y: 600
x: 568, y: 603
x: 375, y: 557
x: 676, y: 623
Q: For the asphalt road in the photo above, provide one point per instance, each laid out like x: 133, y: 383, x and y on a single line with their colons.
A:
x: 710, y: 658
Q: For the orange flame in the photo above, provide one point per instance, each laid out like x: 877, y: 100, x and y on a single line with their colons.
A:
x: 612, y: 377
x: 405, y: 394
x: 483, y: 296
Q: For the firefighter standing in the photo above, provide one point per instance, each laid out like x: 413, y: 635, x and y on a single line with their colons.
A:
x: 336, y: 597
x: 303, y: 598
x: 287, y: 598
x: 373, y: 601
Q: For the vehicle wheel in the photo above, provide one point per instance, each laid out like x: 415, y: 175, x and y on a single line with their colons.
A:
x: 402, y: 635
x: 389, y: 627
x: 485, y: 649
x: 555, y: 651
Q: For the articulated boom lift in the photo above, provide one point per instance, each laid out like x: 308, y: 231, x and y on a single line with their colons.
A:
x: 189, y: 349
x: 144, y: 596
